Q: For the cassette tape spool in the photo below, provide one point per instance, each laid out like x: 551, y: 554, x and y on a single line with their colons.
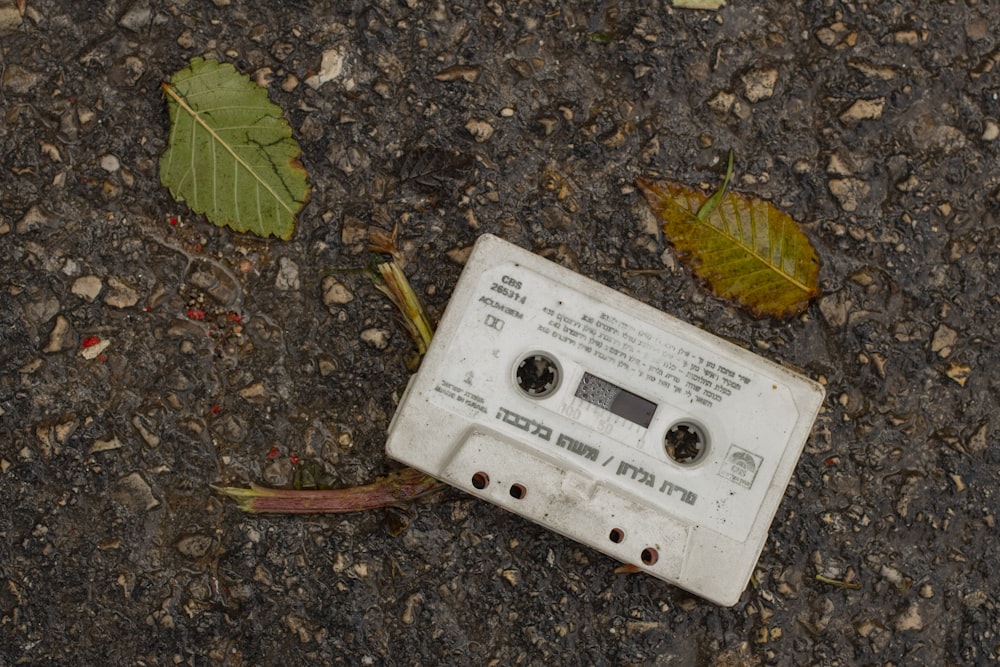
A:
x: 605, y: 420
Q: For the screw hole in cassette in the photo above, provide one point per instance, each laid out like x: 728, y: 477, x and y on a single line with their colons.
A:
x: 480, y: 480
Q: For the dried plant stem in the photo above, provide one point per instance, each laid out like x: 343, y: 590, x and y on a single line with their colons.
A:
x: 397, y: 488
x: 394, y: 489
x: 852, y: 585
x: 395, y: 286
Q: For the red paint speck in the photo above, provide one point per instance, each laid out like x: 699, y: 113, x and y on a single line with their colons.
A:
x: 233, y: 317
x: 293, y: 459
x: 215, y: 409
x: 90, y: 341
x: 173, y: 221
x: 196, y: 314
x: 102, y: 358
x: 273, y: 454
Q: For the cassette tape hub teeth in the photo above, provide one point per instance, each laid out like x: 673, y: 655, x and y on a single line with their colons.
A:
x: 537, y: 375
x: 685, y: 443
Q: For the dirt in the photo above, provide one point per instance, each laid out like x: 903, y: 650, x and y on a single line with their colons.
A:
x: 147, y: 354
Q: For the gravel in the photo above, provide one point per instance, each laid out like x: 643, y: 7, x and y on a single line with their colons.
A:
x: 146, y: 355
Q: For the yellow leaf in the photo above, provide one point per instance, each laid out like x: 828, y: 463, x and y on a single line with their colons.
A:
x: 745, y: 249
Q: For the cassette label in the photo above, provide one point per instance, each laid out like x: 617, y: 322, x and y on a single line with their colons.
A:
x: 635, y: 433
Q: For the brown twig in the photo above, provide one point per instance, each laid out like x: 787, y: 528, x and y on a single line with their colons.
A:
x: 395, y: 489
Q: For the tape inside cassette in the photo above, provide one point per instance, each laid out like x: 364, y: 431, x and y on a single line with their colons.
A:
x: 605, y: 420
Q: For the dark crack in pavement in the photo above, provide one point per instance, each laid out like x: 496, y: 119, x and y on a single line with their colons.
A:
x: 145, y: 354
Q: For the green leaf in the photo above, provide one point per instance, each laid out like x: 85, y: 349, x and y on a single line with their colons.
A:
x: 744, y: 248
x: 231, y: 155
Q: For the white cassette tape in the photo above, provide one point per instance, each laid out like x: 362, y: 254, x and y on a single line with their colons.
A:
x: 605, y: 420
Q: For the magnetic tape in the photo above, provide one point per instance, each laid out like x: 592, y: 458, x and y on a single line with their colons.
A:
x: 605, y: 420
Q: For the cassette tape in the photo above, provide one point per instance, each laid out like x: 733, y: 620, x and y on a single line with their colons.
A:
x: 605, y: 420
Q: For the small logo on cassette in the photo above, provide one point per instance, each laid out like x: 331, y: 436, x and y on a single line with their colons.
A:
x: 741, y: 466
x: 494, y: 322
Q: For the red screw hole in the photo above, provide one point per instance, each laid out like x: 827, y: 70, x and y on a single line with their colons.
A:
x: 649, y: 556
x: 480, y: 480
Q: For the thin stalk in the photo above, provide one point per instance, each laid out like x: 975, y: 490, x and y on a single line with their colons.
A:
x: 395, y: 489
x: 395, y: 286
x: 713, y: 202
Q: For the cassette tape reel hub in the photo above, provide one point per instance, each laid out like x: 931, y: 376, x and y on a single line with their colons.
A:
x: 605, y: 420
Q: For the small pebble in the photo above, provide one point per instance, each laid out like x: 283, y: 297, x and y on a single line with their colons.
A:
x: 110, y: 163
x: 135, y: 493
x: 20, y: 80
x: 59, y: 338
x: 145, y: 429
x: 331, y: 67
x: 10, y: 18
x: 909, y: 619
x: 864, y: 110
x: 120, y: 295
x: 87, y: 287
x: 377, y: 338
x: 458, y: 73
x: 760, y: 84
x: 34, y: 219
x: 991, y: 131
x: 335, y: 293
x: 194, y: 546
x: 849, y: 192
x: 288, y: 275
x: 479, y: 129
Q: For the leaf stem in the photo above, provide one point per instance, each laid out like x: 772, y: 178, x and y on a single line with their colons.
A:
x: 395, y: 489
x: 712, y: 202
x: 395, y: 286
x: 852, y: 585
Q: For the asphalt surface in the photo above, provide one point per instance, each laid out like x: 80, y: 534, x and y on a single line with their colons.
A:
x: 146, y: 354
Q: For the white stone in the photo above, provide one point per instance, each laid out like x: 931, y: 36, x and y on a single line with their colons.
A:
x: 120, y: 295
x: 864, y: 110
x: 377, y: 338
x: 110, y: 163
x: 288, y: 275
x: 722, y: 102
x: 335, y: 293
x: 479, y: 129
x: 991, y: 131
x: 760, y: 84
x: 97, y: 349
x: 87, y: 287
x: 331, y: 67
x: 849, y: 192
